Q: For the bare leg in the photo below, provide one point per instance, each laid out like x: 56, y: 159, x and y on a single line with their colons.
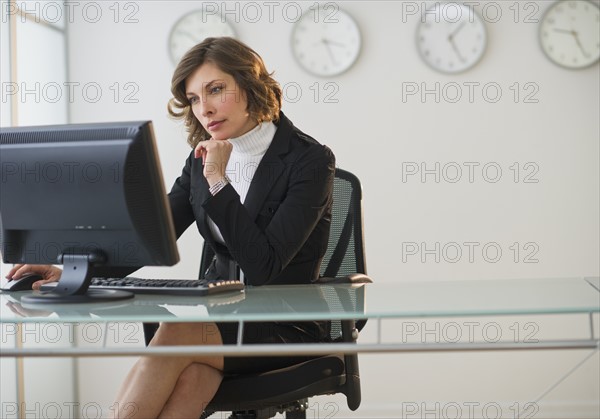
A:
x: 151, y: 381
x: 196, y: 386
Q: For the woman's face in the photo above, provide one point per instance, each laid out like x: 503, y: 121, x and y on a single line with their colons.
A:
x: 218, y: 102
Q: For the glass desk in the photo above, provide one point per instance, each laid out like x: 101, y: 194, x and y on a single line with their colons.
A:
x: 442, y: 299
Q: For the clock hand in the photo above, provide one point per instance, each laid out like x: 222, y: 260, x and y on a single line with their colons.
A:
x: 451, y: 40
x: 455, y: 48
x: 576, y: 36
x: 453, y: 33
x: 563, y: 31
x: 326, y: 43
x: 460, y: 57
x: 339, y: 44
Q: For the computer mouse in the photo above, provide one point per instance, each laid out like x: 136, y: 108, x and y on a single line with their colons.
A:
x: 23, y: 284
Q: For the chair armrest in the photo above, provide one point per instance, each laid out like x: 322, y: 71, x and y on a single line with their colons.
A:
x: 356, y: 278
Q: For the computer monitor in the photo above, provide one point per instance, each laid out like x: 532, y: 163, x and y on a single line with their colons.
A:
x: 87, y: 196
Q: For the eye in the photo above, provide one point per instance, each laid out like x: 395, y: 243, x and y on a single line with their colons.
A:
x: 193, y: 99
x: 216, y: 89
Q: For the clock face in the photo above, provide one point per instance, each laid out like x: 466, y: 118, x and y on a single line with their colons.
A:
x: 192, y: 28
x: 570, y: 33
x: 452, y: 38
x: 326, y: 41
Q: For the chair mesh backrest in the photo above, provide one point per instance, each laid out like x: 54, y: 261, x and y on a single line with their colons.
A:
x: 342, y: 300
x: 345, y: 251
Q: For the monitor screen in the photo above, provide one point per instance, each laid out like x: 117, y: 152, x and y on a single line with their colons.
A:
x: 88, y: 196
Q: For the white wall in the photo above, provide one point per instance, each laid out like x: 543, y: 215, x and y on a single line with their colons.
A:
x: 375, y: 132
x: 31, y: 95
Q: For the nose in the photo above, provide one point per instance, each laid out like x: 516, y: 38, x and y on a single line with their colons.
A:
x: 206, y: 107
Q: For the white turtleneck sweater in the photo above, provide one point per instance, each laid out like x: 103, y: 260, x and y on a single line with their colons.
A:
x: 248, y: 150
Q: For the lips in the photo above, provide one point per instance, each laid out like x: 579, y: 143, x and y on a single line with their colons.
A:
x: 215, y: 125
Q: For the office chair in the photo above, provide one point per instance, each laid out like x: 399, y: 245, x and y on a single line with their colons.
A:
x: 262, y: 396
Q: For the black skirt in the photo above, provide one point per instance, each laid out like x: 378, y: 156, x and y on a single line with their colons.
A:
x: 270, y: 332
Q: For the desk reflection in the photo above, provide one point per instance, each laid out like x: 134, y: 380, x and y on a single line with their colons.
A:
x: 283, y: 302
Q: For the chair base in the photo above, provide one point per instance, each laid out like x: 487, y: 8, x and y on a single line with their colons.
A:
x: 296, y: 410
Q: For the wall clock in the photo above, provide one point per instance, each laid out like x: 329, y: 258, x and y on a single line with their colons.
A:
x: 452, y: 38
x: 326, y: 41
x: 192, y: 28
x: 570, y: 33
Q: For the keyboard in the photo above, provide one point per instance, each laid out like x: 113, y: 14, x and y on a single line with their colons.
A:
x: 193, y: 287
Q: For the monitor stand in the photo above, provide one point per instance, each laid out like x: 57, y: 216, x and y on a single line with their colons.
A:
x: 74, y: 282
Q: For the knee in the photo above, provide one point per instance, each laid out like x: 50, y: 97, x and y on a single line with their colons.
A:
x: 187, y: 334
x: 170, y: 333
x: 197, y: 375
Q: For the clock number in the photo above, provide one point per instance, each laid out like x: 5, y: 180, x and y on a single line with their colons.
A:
x: 531, y: 16
x: 530, y: 87
x: 130, y: 17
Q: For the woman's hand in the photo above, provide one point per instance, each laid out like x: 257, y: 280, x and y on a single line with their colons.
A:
x: 49, y: 273
x: 21, y: 311
x: 215, y: 155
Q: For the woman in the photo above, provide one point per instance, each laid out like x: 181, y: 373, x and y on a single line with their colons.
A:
x: 260, y: 193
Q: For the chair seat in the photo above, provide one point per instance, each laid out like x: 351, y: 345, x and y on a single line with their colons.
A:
x: 321, y: 375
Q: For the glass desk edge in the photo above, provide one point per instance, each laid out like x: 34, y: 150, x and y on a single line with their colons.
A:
x: 224, y: 308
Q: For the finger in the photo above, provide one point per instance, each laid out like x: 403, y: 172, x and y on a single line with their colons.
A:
x: 12, y: 271
x: 14, y: 308
x: 200, y: 149
x: 18, y: 271
x: 18, y: 310
x: 28, y: 269
x: 37, y: 284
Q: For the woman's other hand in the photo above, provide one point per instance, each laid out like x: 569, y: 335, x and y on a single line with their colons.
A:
x: 215, y: 155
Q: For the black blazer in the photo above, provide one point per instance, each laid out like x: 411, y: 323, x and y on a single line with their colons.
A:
x: 280, y: 234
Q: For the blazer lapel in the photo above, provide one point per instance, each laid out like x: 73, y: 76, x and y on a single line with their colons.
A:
x: 270, y: 168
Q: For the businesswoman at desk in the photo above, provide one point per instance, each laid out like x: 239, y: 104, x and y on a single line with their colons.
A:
x: 260, y: 193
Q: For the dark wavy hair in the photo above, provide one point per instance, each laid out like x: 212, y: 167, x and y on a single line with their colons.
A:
x: 262, y: 92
